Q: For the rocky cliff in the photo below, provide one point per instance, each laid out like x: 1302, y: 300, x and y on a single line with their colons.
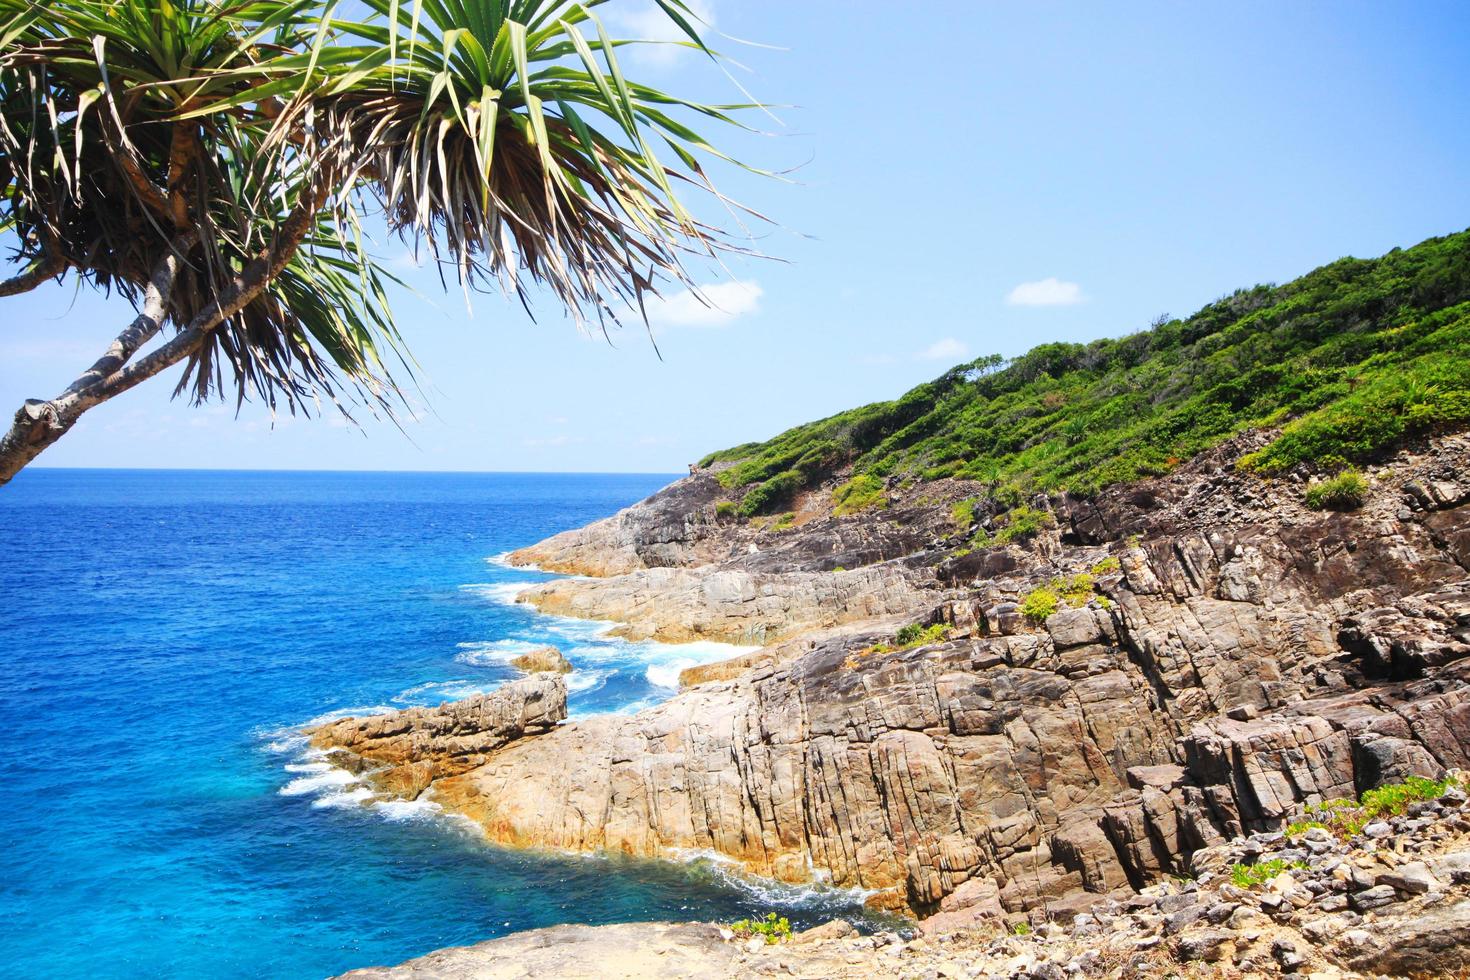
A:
x: 1219, y: 656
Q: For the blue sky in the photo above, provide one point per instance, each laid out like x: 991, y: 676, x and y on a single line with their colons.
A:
x: 973, y: 178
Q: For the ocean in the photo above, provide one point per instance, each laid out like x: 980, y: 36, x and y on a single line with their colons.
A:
x: 165, y: 634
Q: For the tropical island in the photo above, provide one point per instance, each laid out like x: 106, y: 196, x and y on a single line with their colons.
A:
x: 1113, y: 659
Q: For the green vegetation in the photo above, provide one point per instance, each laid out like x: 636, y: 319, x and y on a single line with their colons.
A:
x: 915, y: 635
x: 1105, y: 567
x: 725, y: 509
x: 962, y: 513
x: 1021, y: 929
x: 859, y: 493
x: 1347, y: 490
x: 783, y: 522
x: 1349, y: 358
x: 777, y: 490
x: 1250, y: 875
x: 1041, y: 602
x: 1345, y: 818
x: 772, y: 928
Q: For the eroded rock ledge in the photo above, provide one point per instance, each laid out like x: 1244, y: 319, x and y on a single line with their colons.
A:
x: 404, y: 751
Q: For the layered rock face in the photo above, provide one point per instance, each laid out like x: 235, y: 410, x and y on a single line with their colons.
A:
x: 1228, y: 657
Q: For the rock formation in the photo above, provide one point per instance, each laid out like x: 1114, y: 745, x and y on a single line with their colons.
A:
x: 1219, y: 656
x: 541, y: 659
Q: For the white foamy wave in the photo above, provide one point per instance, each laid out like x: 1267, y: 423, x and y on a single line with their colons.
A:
x: 502, y: 560
x: 767, y: 891
x: 340, y: 713
x: 437, y: 692
x: 588, y: 680
x: 357, y: 796
x: 284, y: 743
x: 667, y: 674
x: 481, y: 653
x: 328, y: 778
x: 501, y: 592
x: 398, y: 811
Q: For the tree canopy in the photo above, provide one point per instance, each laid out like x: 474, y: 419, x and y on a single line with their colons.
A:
x: 213, y: 161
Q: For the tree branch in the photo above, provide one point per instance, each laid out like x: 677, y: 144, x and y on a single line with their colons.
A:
x: 39, y: 424
x: 43, y: 268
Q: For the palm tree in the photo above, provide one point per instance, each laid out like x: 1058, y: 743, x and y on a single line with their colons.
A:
x: 213, y: 161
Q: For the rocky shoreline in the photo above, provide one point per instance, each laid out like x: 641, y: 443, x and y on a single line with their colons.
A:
x: 1215, y: 658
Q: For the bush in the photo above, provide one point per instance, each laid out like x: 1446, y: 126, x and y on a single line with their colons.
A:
x: 1039, y: 604
x: 1021, y: 524
x: 725, y: 509
x: 962, y: 514
x: 773, y: 928
x: 1347, y: 490
x: 858, y: 494
x: 784, y: 522
x: 915, y: 635
x: 1250, y: 875
x: 1346, y: 818
x: 777, y: 490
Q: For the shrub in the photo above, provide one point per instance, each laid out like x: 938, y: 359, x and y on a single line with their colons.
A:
x: 1044, y: 600
x: 1250, y: 875
x: 777, y: 490
x: 1105, y: 567
x: 962, y: 514
x: 914, y: 635
x: 1021, y: 523
x: 858, y: 494
x: 773, y: 928
x: 1021, y: 929
x: 725, y: 509
x: 784, y: 522
x: 1345, y: 818
x: 1347, y: 490
x: 1039, y: 604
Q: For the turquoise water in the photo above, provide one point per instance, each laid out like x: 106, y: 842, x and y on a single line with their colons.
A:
x: 164, y: 634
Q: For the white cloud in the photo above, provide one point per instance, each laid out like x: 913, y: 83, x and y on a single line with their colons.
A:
x: 715, y: 306
x: 1050, y: 291
x: 948, y: 349
x: 647, y: 22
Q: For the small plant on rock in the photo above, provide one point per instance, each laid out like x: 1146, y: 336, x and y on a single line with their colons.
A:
x: 725, y: 510
x: 773, y: 928
x: 1021, y: 929
x: 1347, y: 490
x: 1039, y: 604
x: 1250, y: 875
x: 914, y: 635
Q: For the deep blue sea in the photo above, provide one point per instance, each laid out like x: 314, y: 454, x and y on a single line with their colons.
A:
x: 164, y: 634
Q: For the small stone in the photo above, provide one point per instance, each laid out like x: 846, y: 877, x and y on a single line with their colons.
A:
x: 1243, y: 712
x: 1207, y: 945
x: 1374, y: 898
x: 1285, y: 953
x: 1412, y: 879
x: 1177, y: 922
x: 1377, y: 830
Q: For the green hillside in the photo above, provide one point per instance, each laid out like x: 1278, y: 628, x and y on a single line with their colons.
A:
x: 1350, y: 358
